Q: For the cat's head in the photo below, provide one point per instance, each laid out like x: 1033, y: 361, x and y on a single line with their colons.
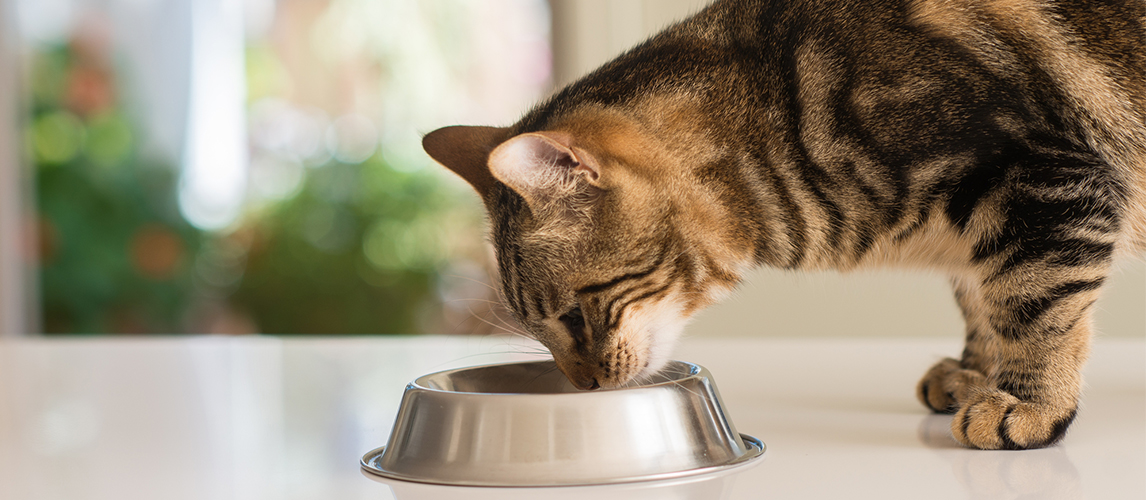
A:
x: 605, y: 244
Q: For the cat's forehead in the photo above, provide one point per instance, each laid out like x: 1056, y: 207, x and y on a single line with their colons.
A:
x: 570, y: 259
x: 638, y: 136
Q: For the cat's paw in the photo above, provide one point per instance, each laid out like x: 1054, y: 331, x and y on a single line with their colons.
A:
x: 987, y: 417
x: 941, y: 386
x: 995, y: 420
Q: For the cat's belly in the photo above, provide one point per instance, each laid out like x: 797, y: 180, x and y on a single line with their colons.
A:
x: 937, y: 245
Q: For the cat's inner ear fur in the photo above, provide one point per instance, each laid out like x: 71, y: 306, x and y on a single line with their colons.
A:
x: 544, y: 167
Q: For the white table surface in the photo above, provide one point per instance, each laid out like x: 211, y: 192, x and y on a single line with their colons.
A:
x: 264, y: 418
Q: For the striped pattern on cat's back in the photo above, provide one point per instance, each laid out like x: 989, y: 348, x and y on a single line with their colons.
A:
x: 1000, y: 141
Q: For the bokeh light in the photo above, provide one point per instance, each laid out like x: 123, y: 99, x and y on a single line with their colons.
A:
x: 202, y: 169
x: 56, y: 137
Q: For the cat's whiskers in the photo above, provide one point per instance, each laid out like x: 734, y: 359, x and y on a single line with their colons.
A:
x: 686, y: 389
x: 646, y: 378
x: 547, y: 371
x: 504, y: 326
x: 492, y: 309
x: 531, y: 347
x: 474, y: 280
x: 475, y: 299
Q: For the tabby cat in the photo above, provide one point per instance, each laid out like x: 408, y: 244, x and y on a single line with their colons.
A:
x: 1000, y: 141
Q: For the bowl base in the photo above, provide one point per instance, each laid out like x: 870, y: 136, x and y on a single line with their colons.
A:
x: 371, y: 463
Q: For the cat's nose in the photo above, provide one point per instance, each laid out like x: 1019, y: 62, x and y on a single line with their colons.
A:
x: 584, y: 384
x: 579, y: 376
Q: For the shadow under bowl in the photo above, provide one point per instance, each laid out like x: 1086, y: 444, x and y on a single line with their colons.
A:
x: 524, y: 424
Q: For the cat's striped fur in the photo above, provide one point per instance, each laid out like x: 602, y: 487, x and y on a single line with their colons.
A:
x: 1001, y: 141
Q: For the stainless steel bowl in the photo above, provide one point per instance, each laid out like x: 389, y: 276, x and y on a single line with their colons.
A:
x: 524, y: 424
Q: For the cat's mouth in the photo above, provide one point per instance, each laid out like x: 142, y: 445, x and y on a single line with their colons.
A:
x: 579, y: 376
x: 602, y: 372
x: 613, y: 369
x: 632, y: 353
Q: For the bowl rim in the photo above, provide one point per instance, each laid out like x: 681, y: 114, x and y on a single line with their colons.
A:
x: 694, y: 371
x: 755, y: 449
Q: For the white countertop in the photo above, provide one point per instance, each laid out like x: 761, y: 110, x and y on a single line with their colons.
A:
x: 264, y: 418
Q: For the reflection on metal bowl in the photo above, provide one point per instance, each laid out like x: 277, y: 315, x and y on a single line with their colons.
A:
x: 524, y: 424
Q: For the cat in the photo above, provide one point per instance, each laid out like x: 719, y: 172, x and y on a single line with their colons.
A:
x: 1002, y: 142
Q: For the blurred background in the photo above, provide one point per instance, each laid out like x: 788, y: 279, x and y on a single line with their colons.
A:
x: 224, y: 166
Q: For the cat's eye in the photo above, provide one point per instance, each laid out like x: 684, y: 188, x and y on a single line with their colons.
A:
x: 574, y: 321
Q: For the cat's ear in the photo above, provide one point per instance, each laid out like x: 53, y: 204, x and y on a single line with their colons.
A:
x: 542, y: 166
x: 465, y: 150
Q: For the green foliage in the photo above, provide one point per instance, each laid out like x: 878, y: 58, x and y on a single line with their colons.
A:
x: 358, y: 250
x: 102, y: 212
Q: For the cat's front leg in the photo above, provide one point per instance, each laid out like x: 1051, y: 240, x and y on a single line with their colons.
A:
x: 1027, y: 298
x: 1028, y: 399
x: 952, y: 380
x: 1018, y: 382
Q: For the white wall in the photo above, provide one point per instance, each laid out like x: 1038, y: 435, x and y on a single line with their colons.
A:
x: 587, y: 33
x: 777, y: 303
x: 888, y: 303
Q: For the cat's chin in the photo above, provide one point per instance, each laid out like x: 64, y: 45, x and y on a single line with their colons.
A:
x: 664, y: 323
x: 660, y: 344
